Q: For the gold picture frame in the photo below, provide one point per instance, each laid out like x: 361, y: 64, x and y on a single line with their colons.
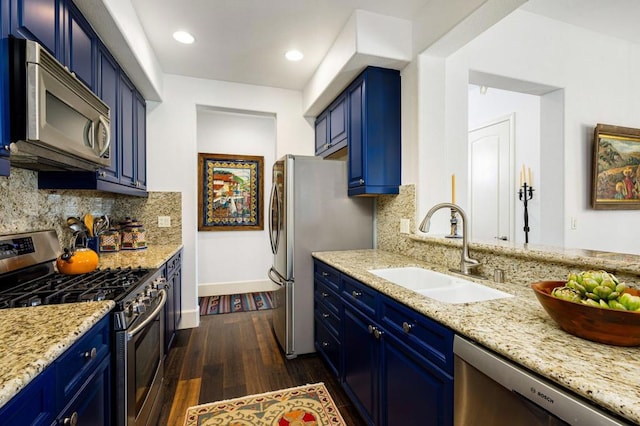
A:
x: 230, y: 192
x: 616, y: 168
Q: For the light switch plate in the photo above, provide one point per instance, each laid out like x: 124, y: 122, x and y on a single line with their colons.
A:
x: 164, y: 221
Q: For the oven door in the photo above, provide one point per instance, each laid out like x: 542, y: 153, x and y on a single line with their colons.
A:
x: 139, y: 366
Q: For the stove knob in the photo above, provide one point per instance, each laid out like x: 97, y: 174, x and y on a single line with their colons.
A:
x: 152, y: 293
x: 144, y: 299
x: 140, y: 308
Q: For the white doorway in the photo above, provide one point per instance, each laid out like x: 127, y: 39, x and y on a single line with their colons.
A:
x: 491, y: 148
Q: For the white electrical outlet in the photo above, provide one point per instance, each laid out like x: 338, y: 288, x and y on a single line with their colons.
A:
x: 574, y: 223
x: 164, y: 221
x: 404, y: 226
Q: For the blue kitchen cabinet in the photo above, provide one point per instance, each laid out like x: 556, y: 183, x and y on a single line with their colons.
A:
x: 331, y: 128
x: 374, y: 132
x: 79, y: 46
x: 396, y: 365
x: 4, y: 88
x: 141, y: 142
x: 108, y: 89
x: 75, y: 386
x: 173, y: 306
x: 38, y: 20
x: 328, y: 313
x: 126, y: 131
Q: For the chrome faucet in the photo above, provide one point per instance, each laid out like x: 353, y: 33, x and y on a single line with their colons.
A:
x: 467, y: 264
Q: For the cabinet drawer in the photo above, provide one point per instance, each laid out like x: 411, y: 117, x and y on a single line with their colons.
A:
x: 327, y: 297
x: 174, y: 263
x: 328, y: 318
x: 328, y: 346
x: 327, y: 275
x: 425, y: 336
x: 82, y: 358
x: 359, y: 295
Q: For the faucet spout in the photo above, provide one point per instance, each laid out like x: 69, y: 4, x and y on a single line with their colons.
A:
x: 467, y: 264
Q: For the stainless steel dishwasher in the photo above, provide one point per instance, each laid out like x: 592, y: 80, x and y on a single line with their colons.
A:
x: 491, y: 391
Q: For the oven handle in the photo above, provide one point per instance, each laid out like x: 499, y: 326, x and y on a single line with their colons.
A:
x: 151, y: 317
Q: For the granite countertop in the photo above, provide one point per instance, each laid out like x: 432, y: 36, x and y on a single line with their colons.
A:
x: 154, y: 256
x: 34, y: 337
x: 517, y: 328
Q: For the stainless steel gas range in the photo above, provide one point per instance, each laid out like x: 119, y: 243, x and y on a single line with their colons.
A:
x: 28, y: 278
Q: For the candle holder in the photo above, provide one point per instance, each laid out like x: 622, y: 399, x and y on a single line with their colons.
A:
x: 526, y: 194
x: 454, y: 225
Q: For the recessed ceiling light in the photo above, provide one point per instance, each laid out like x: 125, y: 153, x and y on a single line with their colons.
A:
x: 294, y: 55
x: 183, y: 37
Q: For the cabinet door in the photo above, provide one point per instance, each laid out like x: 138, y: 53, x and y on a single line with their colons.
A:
x: 33, y: 405
x: 414, y: 391
x: 360, y: 363
x: 37, y: 20
x: 338, y: 123
x: 322, y: 133
x: 141, y: 142
x: 79, y: 46
x: 92, y: 403
x: 108, y: 88
x: 356, y: 134
x: 169, y: 316
x: 127, y: 132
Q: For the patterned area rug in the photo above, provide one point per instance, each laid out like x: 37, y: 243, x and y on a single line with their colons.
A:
x: 309, y: 405
x: 211, y: 305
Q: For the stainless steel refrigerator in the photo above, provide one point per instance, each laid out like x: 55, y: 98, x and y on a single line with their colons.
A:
x: 309, y: 211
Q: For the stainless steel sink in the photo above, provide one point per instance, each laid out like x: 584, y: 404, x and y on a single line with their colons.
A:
x: 438, y: 286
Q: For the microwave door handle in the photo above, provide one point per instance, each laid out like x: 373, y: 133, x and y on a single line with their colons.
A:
x: 88, y: 135
x: 107, y: 130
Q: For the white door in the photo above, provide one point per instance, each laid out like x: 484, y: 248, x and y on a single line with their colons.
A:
x: 491, y: 175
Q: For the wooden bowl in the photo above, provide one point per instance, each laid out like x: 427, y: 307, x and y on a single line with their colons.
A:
x: 613, y: 327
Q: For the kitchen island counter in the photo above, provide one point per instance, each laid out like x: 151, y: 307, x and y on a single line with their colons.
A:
x: 154, y: 256
x: 517, y: 328
x: 34, y: 337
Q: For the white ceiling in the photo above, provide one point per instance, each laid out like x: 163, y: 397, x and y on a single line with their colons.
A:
x: 245, y: 40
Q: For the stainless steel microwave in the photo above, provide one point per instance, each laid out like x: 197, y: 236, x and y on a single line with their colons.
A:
x: 57, y: 123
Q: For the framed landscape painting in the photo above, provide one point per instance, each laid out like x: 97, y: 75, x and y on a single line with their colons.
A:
x: 230, y: 192
x: 616, y: 168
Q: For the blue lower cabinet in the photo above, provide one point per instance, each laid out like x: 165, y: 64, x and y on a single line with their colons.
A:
x: 75, y: 389
x: 396, y: 364
x: 414, y: 392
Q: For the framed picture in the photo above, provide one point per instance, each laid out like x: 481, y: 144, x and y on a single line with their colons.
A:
x: 230, y: 192
x: 616, y: 168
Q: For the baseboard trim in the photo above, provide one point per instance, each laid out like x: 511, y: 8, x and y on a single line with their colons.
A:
x: 190, y: 318
x: 219, y: 289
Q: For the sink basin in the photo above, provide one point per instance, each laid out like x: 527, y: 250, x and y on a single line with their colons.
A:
x: 438, y: 286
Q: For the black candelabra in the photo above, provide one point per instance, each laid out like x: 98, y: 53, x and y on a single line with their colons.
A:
x: 526, y: 194
x: 454, y: 225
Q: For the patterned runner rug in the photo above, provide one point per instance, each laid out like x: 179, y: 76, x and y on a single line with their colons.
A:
x: 309, y: 405
x: 211, y: 305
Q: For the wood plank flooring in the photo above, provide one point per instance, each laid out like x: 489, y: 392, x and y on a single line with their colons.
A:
x: 233, y: 355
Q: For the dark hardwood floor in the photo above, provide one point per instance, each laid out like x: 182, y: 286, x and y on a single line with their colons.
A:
x: 233, y: 355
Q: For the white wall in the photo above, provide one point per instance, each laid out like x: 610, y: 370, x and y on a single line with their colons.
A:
x: 236, y: 256
x: 173, y: 146
x: 597, y: 74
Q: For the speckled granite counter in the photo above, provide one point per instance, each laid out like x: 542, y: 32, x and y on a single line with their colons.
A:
x: 517, y: 328
x: 32, y: 338
x: 153, y: 256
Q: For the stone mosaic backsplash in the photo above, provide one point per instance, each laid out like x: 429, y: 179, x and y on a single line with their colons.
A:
x: 24, y: 207
x: 521, y: 264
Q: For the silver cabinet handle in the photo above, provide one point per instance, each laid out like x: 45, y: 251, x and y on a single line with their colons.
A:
x: 71, y: 421
x: 90, y: 354
x: 371, y: 328
x: 325, y: 315
x: 406, y: 327
x: 325, y: 274
x: 377, y: 333
x: 356, y: 294
x: 361, y: 181
x: 325, y: 295
x: 325, y: 344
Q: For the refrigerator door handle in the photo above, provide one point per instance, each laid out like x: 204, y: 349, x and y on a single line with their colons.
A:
x: 275, y: 212
x: 276, y: 278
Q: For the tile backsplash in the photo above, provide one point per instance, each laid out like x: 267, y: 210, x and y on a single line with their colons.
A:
x: 24, y: 208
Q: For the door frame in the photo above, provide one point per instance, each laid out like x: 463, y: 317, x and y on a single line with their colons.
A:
x: 511, y: 119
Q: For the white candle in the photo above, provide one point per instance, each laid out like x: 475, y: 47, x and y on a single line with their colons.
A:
x: 530, y: 180
x: 453, y: 189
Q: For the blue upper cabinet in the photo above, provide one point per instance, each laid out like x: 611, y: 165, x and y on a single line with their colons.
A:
x: 38, y: 20
x: 108, y: 89
x: 374, y: 132
x: 363, y: 124
x: 331, y: 128
x: 4, y: 88
x: 80, y: 46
